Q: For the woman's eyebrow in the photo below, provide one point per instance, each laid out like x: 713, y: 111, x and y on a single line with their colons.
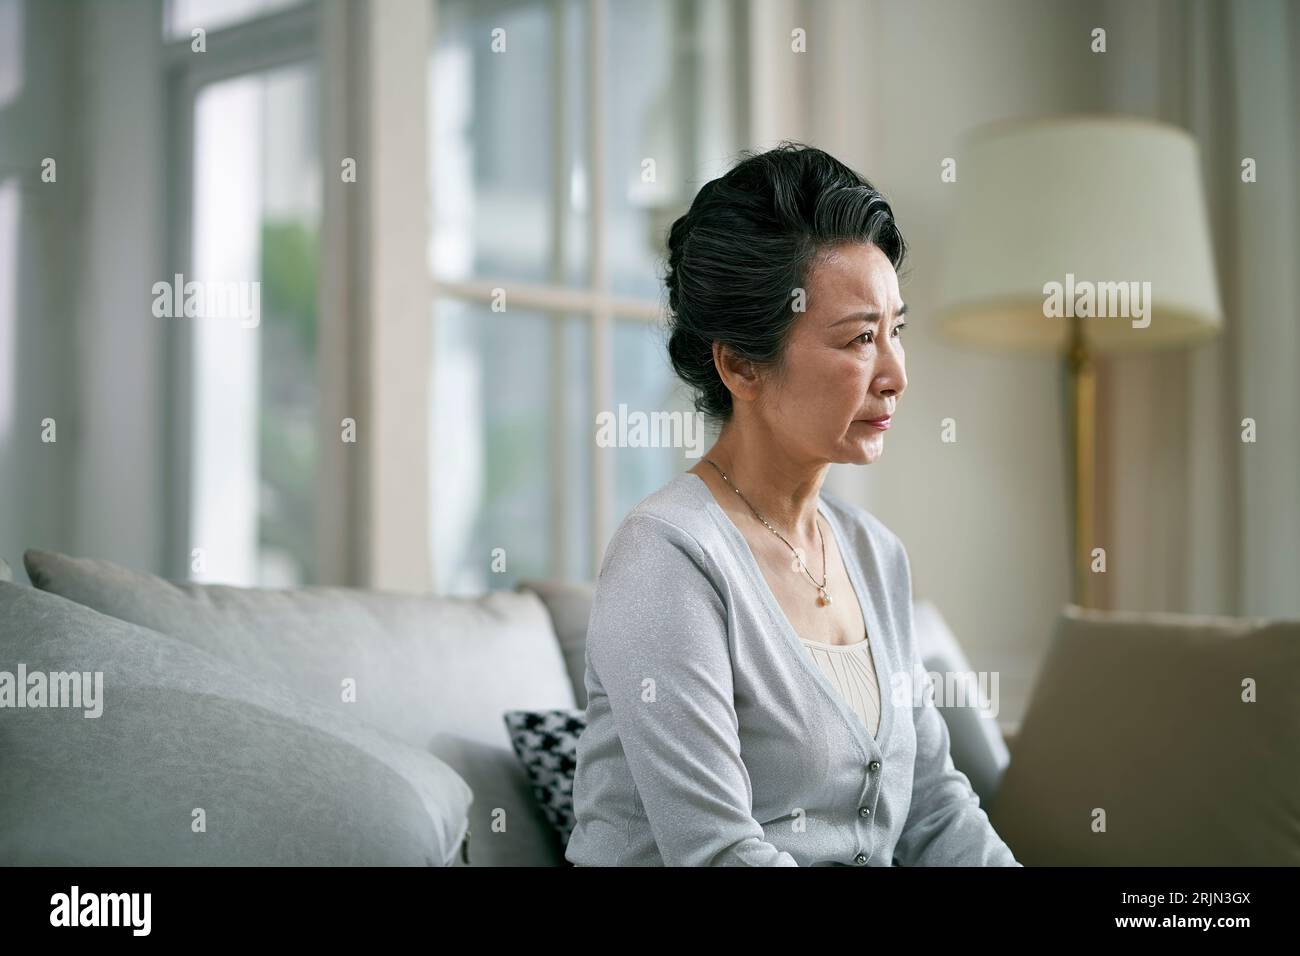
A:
x: 869, y: 316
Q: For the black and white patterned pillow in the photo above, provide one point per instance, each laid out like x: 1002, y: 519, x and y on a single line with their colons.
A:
x: 546, y: 741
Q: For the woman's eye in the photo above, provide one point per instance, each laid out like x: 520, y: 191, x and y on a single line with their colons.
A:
x: 868, y: 340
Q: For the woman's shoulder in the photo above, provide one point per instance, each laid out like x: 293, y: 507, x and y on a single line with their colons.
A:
x: 660, y: 562
x: 677, y: 510
x: 671, y: 525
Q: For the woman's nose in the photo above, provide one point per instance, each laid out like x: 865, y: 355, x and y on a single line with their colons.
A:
x: 890, y: 373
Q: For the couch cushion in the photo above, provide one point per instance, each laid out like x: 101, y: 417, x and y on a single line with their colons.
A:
x: 1142, y: 716
x: 5, y: 573
x: 569, y: 604
x: 420, y: 665
x: 507, y: 826
x: 438, y: 673
x: 281, y: 780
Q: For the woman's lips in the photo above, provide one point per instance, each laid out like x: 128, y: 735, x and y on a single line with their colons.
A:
x: 881, y: 423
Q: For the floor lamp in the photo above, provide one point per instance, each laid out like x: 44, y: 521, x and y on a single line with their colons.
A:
x: 1079, y: 236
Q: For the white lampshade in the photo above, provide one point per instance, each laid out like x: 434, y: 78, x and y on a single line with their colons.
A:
x: 1101, y: 200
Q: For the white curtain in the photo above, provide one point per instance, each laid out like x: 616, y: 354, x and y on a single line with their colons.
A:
x: 1197, y: 519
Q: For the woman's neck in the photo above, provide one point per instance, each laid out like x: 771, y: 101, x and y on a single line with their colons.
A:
x: 782, y: 490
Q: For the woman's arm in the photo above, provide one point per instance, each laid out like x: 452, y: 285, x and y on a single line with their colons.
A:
x: 657, y: 642
x: 945, y: 825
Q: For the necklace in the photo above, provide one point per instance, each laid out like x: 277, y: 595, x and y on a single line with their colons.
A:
x: 823, y: 597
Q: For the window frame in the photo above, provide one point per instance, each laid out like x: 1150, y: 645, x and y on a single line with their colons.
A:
x: 593, y: 301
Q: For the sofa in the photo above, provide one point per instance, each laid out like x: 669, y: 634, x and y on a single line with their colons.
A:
x: 341, y: 726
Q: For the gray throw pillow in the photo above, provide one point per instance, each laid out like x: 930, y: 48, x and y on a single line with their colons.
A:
x: 436, y: 672
x: 193, y: 762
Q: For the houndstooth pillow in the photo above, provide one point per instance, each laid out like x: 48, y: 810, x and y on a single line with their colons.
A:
x: 546, y: 741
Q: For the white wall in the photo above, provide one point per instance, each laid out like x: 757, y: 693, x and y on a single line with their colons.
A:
x: 1196, y: 521
x: 35, y: 309
x: 75, y: 276
x: 1211, y: 524
x: 36, y: 303
x: 890, y: 87
x: 119, y: 513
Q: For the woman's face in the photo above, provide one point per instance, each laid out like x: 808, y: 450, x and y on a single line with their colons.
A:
x: 844, y: 361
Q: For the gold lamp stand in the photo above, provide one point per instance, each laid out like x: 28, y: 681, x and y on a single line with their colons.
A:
x: 1080, y: 402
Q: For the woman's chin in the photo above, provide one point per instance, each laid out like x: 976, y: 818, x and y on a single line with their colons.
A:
x: 864, y: 451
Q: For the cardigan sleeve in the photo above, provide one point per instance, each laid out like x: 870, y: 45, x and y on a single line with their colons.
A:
x: 945, y: 824
x: 657, y: 641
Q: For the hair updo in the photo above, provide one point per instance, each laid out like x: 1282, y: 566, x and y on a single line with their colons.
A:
x: 749, y: 239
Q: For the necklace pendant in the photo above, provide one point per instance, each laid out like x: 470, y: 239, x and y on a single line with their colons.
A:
x: 825, y: 599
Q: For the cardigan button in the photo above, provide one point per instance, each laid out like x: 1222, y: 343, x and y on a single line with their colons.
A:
x: 860, y: 859
x: 874, y: 765
x: 864, y: 811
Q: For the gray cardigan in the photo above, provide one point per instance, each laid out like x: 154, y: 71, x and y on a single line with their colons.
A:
x: 714, y: 739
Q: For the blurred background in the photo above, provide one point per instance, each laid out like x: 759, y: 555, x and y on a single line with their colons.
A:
x: 394, y: 173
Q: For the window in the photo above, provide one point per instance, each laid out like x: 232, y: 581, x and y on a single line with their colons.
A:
x: 180, y: 17
x: 247, y: 215
x: 511, y: 410
x: 565, y: 137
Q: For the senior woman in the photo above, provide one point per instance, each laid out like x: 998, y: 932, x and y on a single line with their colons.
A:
x: 750, y: 653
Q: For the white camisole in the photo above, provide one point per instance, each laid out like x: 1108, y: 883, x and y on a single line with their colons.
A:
x: 851, y: 670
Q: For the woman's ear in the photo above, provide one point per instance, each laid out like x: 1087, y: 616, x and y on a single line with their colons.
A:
x: 739, y: 374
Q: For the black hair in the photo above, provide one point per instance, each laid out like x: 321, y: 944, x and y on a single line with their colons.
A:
x: 749, y: 239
